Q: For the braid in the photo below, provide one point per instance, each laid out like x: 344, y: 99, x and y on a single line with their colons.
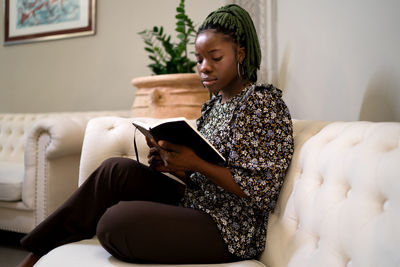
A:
x: 237, y: 23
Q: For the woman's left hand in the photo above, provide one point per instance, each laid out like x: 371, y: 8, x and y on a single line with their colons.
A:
x: 177, y: 157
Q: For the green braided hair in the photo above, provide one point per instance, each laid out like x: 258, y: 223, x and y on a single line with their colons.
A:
x: 236, y: 22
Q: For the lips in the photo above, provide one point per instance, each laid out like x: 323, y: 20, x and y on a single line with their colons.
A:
x: 209, y: 81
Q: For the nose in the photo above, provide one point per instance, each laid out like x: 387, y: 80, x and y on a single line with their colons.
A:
x: 204, y: 67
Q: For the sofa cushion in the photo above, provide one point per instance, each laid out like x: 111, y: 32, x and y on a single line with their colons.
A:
x: 11, y: 178
x: 90, y: 253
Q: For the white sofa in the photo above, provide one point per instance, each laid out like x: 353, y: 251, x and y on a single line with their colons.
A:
x: 39, y: 163
x: 339, y: 206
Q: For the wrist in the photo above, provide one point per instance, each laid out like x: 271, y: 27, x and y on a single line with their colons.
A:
x: 199, y: 166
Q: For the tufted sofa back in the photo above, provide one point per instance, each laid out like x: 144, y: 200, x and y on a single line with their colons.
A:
x: 340, y: 205
x: 14, y: 129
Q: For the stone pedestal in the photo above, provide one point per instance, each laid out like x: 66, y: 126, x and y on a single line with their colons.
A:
x: 170, y: 95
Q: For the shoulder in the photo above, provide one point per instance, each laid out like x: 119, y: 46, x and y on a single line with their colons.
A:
x: 266, y: 91
x: 263, y: 105
x: 261, y: 96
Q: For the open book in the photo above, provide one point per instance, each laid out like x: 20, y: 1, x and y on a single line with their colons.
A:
x: 180, y: 131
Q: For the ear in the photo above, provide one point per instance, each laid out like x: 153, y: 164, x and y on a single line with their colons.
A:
x: 240, y: 53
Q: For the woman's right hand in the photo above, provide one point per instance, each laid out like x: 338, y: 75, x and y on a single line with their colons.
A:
x: 154, y: 159
x: 156, y: 162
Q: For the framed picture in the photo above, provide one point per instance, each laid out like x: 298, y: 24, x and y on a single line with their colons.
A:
x: 43, y: 20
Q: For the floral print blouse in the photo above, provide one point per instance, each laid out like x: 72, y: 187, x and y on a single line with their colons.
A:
x: 253, y: 131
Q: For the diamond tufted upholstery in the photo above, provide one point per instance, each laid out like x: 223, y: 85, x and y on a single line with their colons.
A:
x: 39, y: 161
x: 344, y: 206
x: 339, y: 206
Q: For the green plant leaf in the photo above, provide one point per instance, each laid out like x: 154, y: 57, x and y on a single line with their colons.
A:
x: 181, y: 36
x: 168, y: 56
x: 180, y: 29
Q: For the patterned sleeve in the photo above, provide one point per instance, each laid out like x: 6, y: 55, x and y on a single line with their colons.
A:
x: 261, y: 146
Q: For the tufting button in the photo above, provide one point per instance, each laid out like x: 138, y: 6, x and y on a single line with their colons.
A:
x: 110, y: 128
x: 320, y: 179
x: 329, y: 139
x: 385, y: 205
x: 348, y: 193
x: 355, y: 142
x: 318, y: 241
x: 389, y: 148
x: 349, y: 263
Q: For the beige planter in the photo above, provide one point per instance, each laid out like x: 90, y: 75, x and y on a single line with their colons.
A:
x: 170, y: 95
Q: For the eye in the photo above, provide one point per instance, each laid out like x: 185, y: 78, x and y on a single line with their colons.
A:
x: 217, y: 59
x: 199, y: 61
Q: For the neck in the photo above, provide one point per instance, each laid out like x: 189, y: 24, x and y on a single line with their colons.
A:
x: 233, y: 90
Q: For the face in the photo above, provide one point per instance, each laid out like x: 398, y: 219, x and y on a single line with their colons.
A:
x: 217, y: 58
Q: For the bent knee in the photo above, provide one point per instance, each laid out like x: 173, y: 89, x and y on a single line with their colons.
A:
x: 117, y: 161
x: 117, y: 231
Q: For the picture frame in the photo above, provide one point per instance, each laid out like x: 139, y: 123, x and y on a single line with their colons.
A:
x: 28, y: 21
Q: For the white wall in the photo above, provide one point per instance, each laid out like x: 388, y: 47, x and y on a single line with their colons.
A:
x: 335, y: 60
x: 88, y: 73
x: 339, y: 60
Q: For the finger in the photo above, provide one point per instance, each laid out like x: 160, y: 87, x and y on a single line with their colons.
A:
x: 150, y: 142
x: 155, y: 160
x: 151, y: 159
x: 164, y: 156
x: 159, y: 166
x: 153, y: 151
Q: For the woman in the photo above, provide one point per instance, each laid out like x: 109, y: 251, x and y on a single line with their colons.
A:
x: 221, y: 214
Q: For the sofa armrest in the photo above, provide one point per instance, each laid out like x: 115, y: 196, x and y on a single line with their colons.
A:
x: 51, y: 140
x: 66, y: 136
x: 107, y: 137
x: 52, y: 154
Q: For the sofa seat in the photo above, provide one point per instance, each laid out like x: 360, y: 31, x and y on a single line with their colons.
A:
x: 11, y: 179
x: 95, y: 255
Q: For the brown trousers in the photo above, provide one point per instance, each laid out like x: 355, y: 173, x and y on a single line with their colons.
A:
x: 134, y: 212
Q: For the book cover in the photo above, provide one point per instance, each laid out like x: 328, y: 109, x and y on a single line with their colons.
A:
x: 180, y: 131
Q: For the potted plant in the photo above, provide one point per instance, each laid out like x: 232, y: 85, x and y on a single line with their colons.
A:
x: 169, y: 57
x: 173, y: 89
